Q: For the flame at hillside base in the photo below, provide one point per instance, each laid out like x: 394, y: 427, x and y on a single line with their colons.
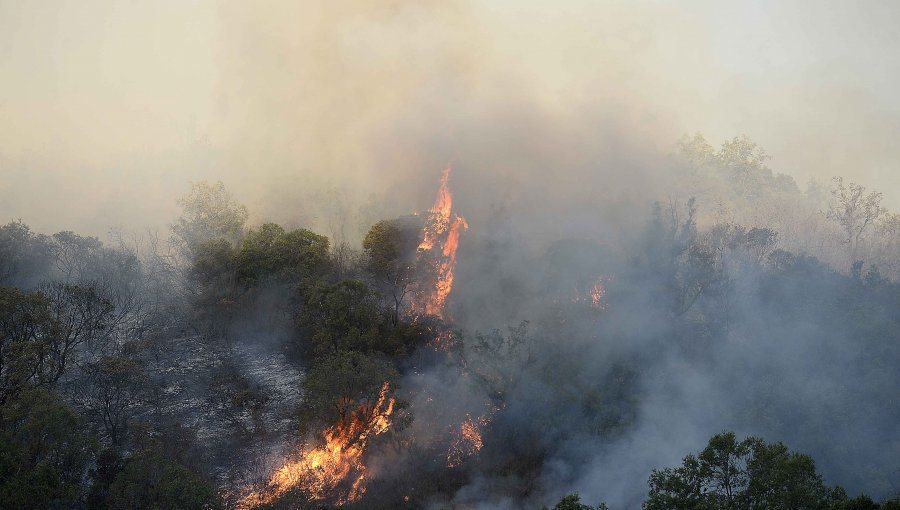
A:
x: 321, y: 471
x: 441, y: 234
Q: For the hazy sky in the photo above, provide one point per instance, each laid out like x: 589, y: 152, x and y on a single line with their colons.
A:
x: 109, y: 108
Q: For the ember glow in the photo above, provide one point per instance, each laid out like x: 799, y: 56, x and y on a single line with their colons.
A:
x: 597, y: 294
x: 468, y: 441
x: 323, y: 471
x: 440, y: 237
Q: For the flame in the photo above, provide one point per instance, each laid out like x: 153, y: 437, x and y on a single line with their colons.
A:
x: 468, y: 442
x: 320, y: 471
x: 594, y: 296
x: 597, y: 294
x: 442, y: 229
x: 439, y: 214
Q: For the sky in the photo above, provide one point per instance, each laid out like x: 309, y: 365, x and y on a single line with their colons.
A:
x: 108, y: 110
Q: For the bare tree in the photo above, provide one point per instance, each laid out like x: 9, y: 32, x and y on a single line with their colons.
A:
x: 82, y: 314
x: 854, y: 211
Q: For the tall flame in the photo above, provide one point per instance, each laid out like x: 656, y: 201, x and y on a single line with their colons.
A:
x: 439, y: 214
x: 442, y: 230
x: 320, y: 471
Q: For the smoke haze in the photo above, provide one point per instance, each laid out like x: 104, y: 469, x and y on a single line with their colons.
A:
x: 560, y: 120
x: 110, y: 109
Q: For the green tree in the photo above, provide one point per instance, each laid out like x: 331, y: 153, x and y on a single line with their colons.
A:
x: 862, y: 502
x: 681, y: 488
x: 44, y: 452
x: 390, y: 257
x: 149, y: 480
x: 209, y: 212
x: 342, y: 316
x: 573, y: 502
x: 338, y: 383
x: 270, y: 250
x: 29, y: 336
x: 212, y: 290
x: 740, y: 475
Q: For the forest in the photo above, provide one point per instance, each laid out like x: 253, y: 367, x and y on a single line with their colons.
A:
x: 737, y: 349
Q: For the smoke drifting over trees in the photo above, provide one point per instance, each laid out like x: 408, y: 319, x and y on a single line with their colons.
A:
x: 263, y: 292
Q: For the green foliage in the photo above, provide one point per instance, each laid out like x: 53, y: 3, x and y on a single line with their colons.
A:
x: 347, y: 316
x: 862, y: 502
x: 44, y: 452
x: 29, y: 335
x: 573, y: 502
x: 214, y: 296
x: 390, y: 249
x: 740, y: 475
x: 213, y: 263
x: 209, y: 212
x: 383, y: 247
x: 152, y: 481
x: 338, y: 382
x: 342, y: 316
x: 271, y: 251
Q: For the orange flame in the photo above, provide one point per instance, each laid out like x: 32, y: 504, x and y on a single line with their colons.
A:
x: 439, y: 214
x: 595, y: 295
x: 320, y: 471
x: 468, y: 442
x: 598, y: 292
x: 442, y: 229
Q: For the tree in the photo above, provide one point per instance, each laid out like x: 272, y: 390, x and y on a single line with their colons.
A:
x: 740, y: 475
x: 110, y: 391
x: 781, y: 479
x: 272, y: 251
x: 573, y: 502
x: 115, y: 274
x: 209, y: 212
x: 854, y: 212
x: 150, y: 480
x: 724, y: 461
x: 342, y: 316
x: 390, y: 250
x: 338, y: 383
x: 212, y: 288
x: 82, y: 314
x: 744, y: 163
x: 76, y: 256
x: 25, y: 257
x: 679, y: 488
x: 45, y: 450
x: 29, y: 336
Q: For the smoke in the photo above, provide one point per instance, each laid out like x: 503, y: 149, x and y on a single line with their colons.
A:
x: 311, y: 111
x: 559, y: 121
